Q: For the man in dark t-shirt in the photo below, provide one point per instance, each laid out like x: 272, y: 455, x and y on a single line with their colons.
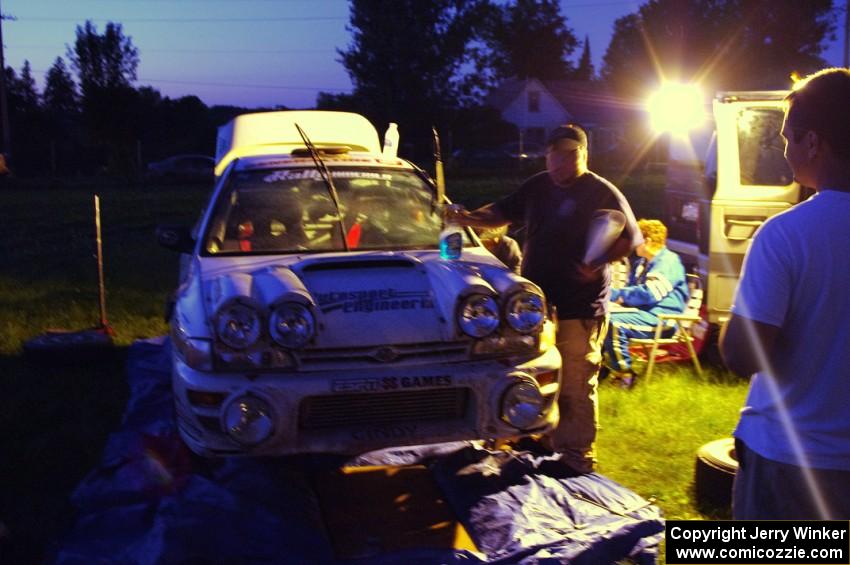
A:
x: 557, y: 207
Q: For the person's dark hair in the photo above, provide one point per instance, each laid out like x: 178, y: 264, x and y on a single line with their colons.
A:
x: 821, y: 103
x: 567, y: 131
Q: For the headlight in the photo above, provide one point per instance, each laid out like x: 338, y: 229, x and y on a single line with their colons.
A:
x: 522, y: 405
x: 237, y: 325
x: 525, y: 312
x: 292, y: 325
x: 249, y: 420
x: 478, y: 315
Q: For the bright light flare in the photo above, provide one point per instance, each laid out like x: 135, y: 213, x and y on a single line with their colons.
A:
x: 676, y: 108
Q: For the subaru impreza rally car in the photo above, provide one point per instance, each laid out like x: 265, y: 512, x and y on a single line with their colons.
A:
x: 315, y: 313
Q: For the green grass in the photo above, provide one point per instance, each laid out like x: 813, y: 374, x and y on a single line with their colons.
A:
x: 55, y: 421
x: 649, y: 435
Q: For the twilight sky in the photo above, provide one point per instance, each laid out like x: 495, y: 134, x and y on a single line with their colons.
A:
x: 247, y: 53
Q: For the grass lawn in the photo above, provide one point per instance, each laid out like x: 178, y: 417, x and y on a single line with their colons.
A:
x: 56, y: 420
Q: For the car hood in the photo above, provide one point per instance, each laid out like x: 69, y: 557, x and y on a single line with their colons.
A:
x: 364, y: 298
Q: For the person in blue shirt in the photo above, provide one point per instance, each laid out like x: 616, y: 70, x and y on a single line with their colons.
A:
x: 657, y: 284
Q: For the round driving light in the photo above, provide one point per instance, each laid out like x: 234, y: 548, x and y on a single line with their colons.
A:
x: 292, y: 325
x: 238, y: 325
x: 248, y: 420
x: 478, y: 315
x: 524, y: 312
x: 522, y: 405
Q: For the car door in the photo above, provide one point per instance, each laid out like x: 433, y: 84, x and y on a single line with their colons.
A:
x: 754, y: 182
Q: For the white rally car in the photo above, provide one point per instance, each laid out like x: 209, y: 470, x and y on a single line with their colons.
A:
x: 312, y: 319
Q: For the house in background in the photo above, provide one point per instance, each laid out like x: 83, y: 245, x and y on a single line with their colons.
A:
x: 536, y: 107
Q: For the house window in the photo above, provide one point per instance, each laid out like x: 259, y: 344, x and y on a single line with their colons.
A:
x: 533, y: 101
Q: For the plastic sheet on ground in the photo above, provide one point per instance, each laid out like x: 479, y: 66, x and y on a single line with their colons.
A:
x: 151, y: 501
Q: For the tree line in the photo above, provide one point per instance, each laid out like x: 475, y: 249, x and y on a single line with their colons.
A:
x: 420, y: 64
x: 90, y: 119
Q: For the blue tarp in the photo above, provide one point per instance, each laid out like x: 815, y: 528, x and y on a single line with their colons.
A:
x: 150, y: 501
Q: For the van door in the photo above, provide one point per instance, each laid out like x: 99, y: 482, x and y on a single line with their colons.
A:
x: 754, y: 182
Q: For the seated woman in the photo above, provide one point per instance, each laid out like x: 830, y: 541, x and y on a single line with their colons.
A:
x: 657, y: 284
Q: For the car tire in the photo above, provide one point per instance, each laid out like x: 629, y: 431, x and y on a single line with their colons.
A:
x: 714, y: 474
x: 710, y: 354
x: 57, y: 347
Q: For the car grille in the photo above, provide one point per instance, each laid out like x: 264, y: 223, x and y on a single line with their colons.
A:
x: 400, y: 354
x: 342, y: 410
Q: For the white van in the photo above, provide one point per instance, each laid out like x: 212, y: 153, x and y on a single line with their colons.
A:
x: 715, y: 204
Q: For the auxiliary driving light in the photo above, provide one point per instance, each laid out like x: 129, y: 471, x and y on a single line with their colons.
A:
x: 525, y: 312
x: 248, y: 420
x: 522, y: 405
x: 478, y: 315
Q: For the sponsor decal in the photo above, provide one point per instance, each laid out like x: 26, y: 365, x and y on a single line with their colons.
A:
x: 427, y: 381
x: 381, y: 384
x: 313, y: 174
x: 384, y: 432
x: 374, y: 300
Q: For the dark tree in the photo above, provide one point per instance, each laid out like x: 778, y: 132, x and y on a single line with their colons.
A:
x: 61, y: 109
x: 27, y: 89
x: 585, y: 70
x: 340, y: 102
x: 406, y: 61
x: 106, y: 68
x: 26, y: 123
x: 722, y: 44
x: 107, y: 61
x: 530, y: 39
x: 60, y: 92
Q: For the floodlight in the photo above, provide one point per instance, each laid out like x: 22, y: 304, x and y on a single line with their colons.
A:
x: 676, y: 108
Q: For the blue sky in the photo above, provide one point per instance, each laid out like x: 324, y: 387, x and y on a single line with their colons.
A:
x: 248, y: 53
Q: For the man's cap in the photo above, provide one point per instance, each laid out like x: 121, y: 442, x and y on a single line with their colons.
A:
x: 568, y: 131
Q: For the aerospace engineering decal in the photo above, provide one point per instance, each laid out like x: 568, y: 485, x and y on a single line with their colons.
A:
x: 375, y: 300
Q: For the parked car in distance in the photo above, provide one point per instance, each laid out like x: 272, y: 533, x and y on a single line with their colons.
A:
x: 187, y: 168
x: 320, y: 316
x: 528, y: 150
x: 505, y: 156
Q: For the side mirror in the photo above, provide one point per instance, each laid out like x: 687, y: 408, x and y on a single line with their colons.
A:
x: 175, y: 237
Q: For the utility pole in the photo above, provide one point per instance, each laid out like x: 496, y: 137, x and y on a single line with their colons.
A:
x: 846, y: 31
x: 4, y: 107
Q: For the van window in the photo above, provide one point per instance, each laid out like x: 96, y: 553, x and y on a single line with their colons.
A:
x: 761, y: 148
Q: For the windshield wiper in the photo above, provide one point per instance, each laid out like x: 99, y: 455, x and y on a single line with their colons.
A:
x: 325, y: 173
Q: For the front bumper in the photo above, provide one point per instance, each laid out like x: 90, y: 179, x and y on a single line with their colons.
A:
x: 355, y: 411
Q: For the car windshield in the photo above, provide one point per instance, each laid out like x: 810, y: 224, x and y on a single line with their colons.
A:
x: 290, y: 210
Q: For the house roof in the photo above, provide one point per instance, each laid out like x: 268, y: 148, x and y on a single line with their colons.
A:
x: 507, y: 91
x: 590, y: 103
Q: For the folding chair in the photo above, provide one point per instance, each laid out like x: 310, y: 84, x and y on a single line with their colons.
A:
x: 619, y: 273
x: 683, y: 325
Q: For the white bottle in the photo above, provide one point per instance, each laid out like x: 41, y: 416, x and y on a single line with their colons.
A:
x: 451, y: 241
x: 391, y: 142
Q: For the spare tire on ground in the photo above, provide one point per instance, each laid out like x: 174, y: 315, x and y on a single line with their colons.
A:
x: 65, y: 346
x: 715, y: 472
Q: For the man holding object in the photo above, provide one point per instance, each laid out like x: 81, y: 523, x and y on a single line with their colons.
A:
x: 557, y: 208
